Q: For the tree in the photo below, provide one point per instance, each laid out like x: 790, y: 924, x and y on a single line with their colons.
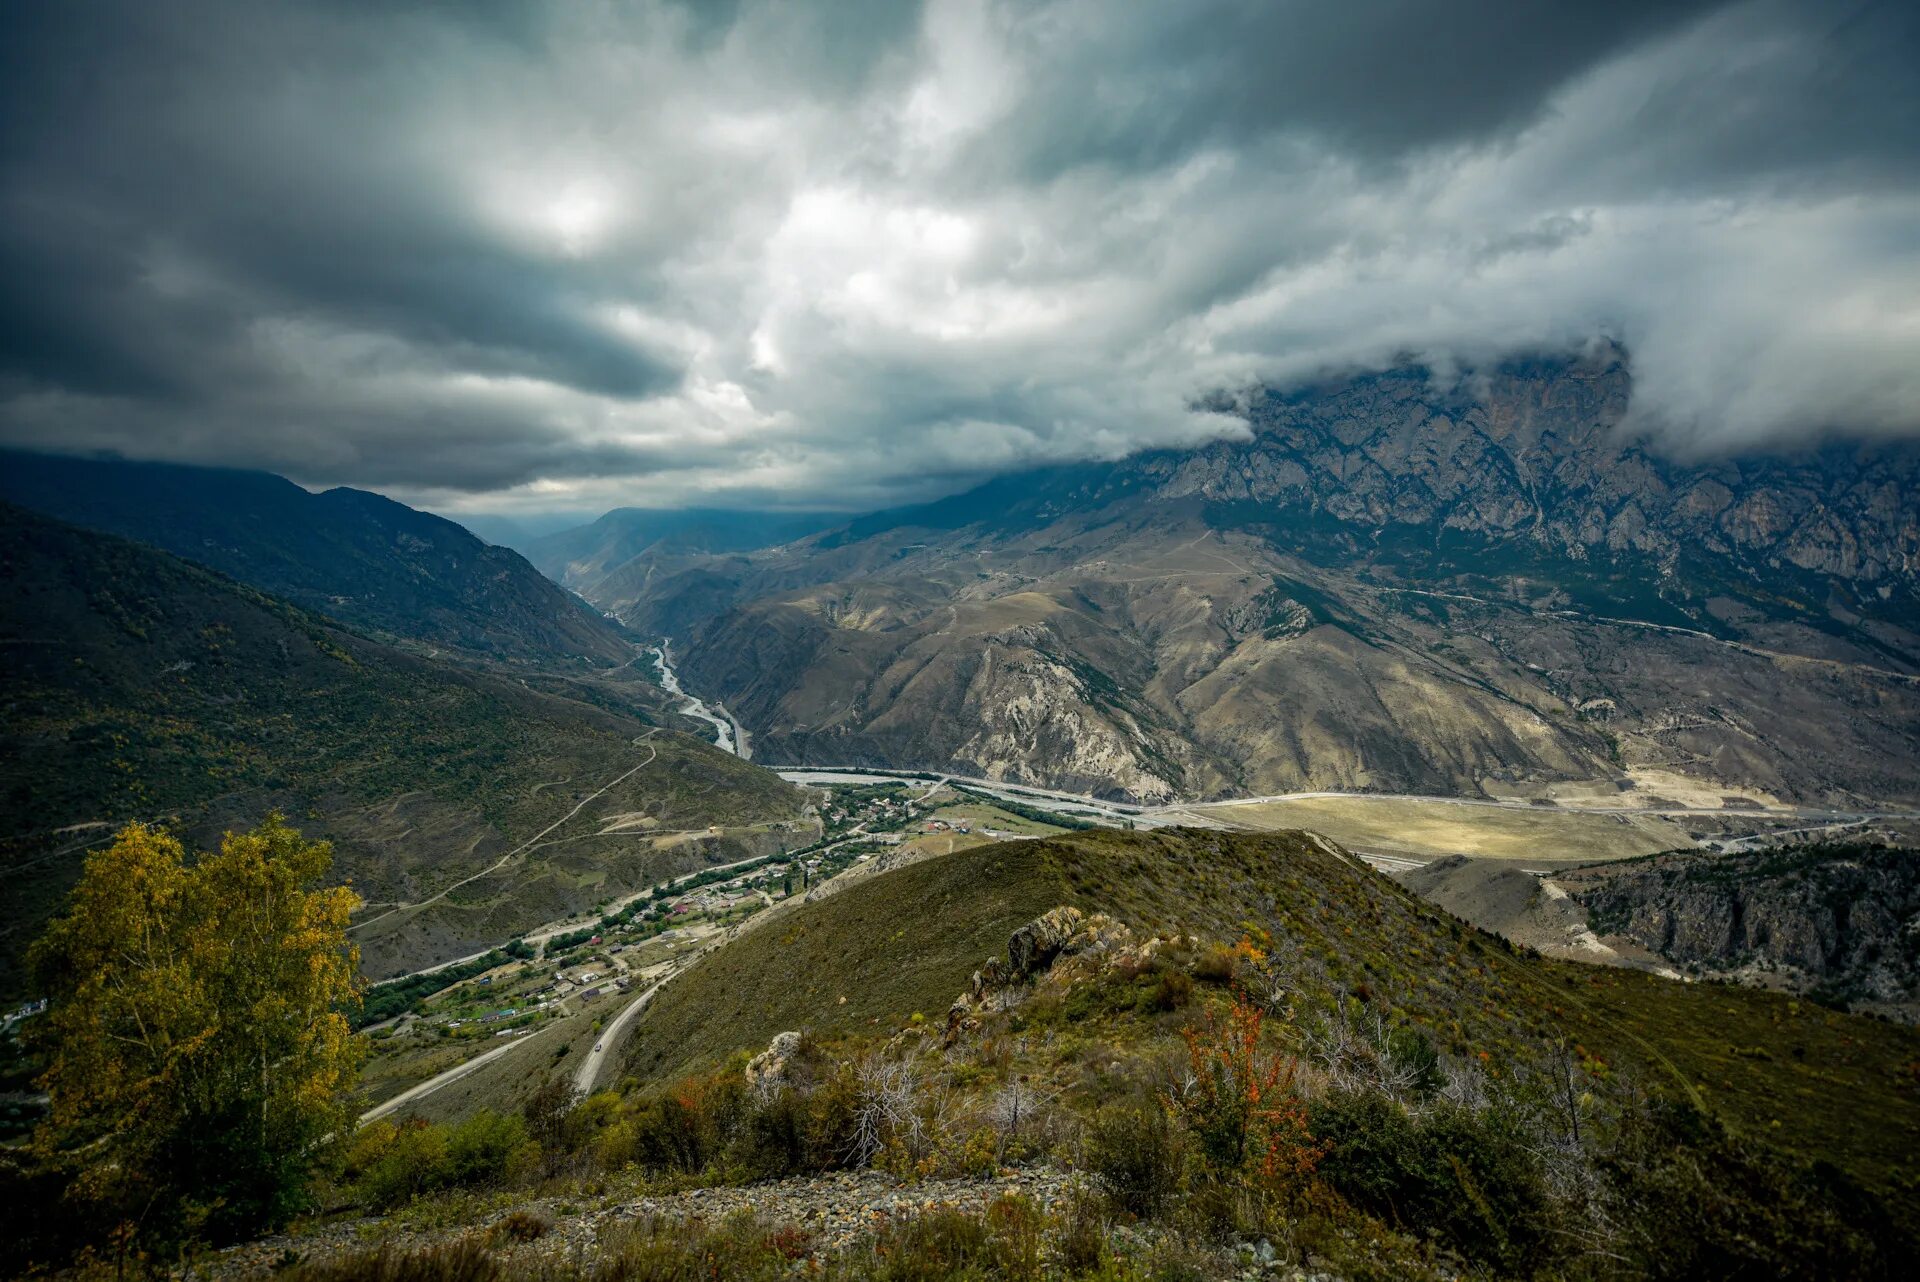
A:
x: 198, y: 1051
x: 548, y: 1114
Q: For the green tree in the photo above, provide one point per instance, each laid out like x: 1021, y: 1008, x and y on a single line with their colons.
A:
x: 198, y: 1052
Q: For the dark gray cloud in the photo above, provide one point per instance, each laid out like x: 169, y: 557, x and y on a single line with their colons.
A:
x: 523, y: 255
x: 1373, y: 80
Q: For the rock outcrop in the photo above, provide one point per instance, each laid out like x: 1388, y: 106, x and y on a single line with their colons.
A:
x: 1063, y: 945
x: 1839, y: 921
x: 1035, y: 945
x: 772, y: 1068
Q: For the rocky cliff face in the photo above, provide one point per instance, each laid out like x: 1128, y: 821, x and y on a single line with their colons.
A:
x: 1841, y: 921
x: 1540, y: 452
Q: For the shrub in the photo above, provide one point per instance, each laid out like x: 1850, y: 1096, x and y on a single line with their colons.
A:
x: 1413, y: 1054
x: 1697, y: 1202
x: 522, y: 1226
x: 1239, y: 1101
x: 486, y: 1147
x: 688, y: 1125
x: 414, y: 1162
x: 772, y: 1139
x: 1174, y: 990
x: 1455, y: 1174
x: 944, y: 1244
x: 1217, y: 965
x: 670, y: 1133
x: 1083, y: 1232
x: 1136, y: 1157
x: 669, y: 1250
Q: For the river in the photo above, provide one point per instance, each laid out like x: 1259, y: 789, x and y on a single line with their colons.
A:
x: 727, y: 733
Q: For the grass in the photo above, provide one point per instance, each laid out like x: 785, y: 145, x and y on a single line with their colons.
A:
x: 1000, y: 819
x: 1827, y: 1085
x: 873, y: 953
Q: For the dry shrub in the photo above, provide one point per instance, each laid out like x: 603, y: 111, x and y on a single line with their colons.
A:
x: 1219, y: 964
x: 522, y: 1226
x: 463, y: 1260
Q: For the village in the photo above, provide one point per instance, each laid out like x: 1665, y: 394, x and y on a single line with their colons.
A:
x: 567, y: 981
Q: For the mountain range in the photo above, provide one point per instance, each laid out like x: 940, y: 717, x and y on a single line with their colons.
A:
x: 358, y: 557
x: 140, y: 686
x: 1389, y: 583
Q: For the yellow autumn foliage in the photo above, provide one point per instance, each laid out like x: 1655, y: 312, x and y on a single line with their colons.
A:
x: 199, y: 1053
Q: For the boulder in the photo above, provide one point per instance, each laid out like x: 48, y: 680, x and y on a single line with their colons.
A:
x: 1034, y: 946
x: 768, y: 1071
x: 1097, y: 934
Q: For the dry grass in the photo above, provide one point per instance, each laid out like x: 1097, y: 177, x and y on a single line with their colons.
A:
x: 1435, y: 828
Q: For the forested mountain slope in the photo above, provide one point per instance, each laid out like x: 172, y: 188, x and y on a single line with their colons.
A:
x: 354, y: 556
x: 140, y: 686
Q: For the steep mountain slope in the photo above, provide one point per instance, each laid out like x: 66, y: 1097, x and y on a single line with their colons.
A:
x: 140, y: 686
x: 1386, y: 587
x: 584, y: 557
x: 1839, y: 919
x: 1132, y: 1056
x: 354, y: 556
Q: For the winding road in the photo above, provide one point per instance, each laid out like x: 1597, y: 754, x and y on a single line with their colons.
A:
x: 447, y: 1078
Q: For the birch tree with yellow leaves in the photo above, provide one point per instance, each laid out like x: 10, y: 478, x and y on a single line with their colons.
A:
x: 198, y: 1047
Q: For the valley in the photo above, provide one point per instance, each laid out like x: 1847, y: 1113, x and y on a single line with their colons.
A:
x: 636, y: 945
x: 464, y: 805
x: 1386, y: 589
x: 960, y: 641
x: 604, y: 907
x: 728, y: 734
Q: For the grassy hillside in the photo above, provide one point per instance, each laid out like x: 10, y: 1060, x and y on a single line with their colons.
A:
x: 879, y: 950
x: 1826, y: 1085
x: 140, y: 686
x: 348, y: 554
x: 1356, y: 1086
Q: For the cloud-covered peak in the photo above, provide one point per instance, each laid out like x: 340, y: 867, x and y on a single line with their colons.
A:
x: 577, y: 254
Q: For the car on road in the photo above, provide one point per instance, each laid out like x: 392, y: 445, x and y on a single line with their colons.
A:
x: 598, y: 1045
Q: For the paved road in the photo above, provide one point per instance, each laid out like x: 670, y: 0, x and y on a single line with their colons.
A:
x: 453, y: 1074
x: 610, y: 1036
x: 609, y: 1040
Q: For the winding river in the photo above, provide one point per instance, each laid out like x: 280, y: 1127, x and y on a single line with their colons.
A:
x: 727, y: 733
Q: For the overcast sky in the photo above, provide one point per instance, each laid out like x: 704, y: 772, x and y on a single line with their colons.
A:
x: 512, y: 257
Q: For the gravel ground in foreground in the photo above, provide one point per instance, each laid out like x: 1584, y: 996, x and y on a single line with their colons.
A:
x: 835, y: 1209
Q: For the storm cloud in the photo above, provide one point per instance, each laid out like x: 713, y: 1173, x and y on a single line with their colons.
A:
x: 521, y: 256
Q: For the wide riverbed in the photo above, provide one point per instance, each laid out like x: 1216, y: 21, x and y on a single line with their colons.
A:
x: 727, y: 733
